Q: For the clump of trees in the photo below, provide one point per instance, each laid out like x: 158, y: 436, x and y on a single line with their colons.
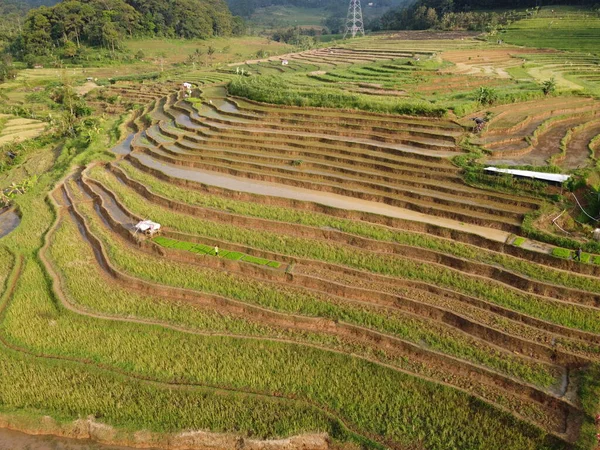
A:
x: 426, y: 14
x: 64, y: 30
x: 300, y: 38
x: 245, y: 8
x: 455, y: 14
x: 6, y: 68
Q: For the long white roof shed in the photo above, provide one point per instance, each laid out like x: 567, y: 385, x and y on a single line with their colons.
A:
x: 554, y: 177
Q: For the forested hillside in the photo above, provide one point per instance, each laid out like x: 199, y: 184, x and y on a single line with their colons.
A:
x: 12, y: 14
x: 460, y: 14
x: 65, y: 28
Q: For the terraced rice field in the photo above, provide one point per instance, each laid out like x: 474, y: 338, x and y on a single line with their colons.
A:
x: 363, y: 296
x: 399, y: 294
x: 17, y: 129
x: 545, y: 132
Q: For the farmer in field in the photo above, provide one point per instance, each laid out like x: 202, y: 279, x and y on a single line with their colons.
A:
x: 578, y: 255
x: 479, y: 124
x: 216, y: 251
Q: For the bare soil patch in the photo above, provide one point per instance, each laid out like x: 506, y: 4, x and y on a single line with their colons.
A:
x: 431, y: 35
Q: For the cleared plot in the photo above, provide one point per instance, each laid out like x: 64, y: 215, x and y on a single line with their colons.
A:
x: 15, y: 129
x: 488, y: 62
x: 548, y: 131
x: 578, y: 32
x: 570, y: 70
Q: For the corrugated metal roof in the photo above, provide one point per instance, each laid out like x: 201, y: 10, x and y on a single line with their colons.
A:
x: 556, y: 177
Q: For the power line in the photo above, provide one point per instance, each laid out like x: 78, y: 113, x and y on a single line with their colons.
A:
x: 354, y: 19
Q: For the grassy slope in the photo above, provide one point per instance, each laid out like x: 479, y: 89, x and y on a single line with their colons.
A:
x: 36, y: 321
x: 566, y: 29
x: 227, y: 49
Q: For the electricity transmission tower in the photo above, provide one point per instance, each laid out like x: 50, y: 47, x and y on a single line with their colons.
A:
x: 354, y: 20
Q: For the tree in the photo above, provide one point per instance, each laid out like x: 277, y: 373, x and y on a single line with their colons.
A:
x: 549, y: 86
x: 238, y: 26
x: 209, y: 52
x: 487, y: 95
x: 6, y: 69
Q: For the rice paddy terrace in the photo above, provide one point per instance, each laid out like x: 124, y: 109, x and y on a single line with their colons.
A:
x: 363, y: 296
x: 15, y: 129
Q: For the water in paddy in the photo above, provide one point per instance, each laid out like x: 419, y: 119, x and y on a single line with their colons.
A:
x: 9, y: 220
x: 324, y: 198
x: 14, y: 440
x: 124, y: 147
x: 113, y: 208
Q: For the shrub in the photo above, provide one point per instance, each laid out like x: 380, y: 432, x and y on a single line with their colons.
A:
x: 519, y: 241
x: 561, y: 253
x: 487, y: 95
x: 549, y: 86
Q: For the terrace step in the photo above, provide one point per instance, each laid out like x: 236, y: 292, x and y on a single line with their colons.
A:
x: 378, y: 133
x: 424, y: 186
x: 362, y: 118
x: 129, y: 281
x: 436, y: 206
x: 233, y: 132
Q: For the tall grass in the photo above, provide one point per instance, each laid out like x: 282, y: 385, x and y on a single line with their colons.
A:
x: 340, y: 383
x: 75, y: 262
x: 570, y: 315
x: 364, y: 229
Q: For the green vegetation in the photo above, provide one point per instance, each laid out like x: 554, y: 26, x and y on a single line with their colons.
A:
x: 306, y: 366
x: 371, y: 319
x: 208, y: 250
x: 519, y: 241
x: 116, y: 396
x: 359, y: 228
x: 278, y: 90
x: 72, y: 27
x: 561, y: 253
x: 296, y: 302
x: 75, y: 261
x: 569, y: 30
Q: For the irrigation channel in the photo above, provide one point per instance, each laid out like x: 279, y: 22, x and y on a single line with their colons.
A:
x: 9, y: 220
x: 14, y: 440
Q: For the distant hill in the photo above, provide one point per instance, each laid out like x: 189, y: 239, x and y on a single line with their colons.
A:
x: 245, y: 8
x: 22, y: 6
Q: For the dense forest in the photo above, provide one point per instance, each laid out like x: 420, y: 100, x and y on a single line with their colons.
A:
x: 12, y: 14
x: 65, y: 29
x: 458, y: 14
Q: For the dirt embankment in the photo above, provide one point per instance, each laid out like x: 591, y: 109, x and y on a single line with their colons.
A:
x: 41, y: 434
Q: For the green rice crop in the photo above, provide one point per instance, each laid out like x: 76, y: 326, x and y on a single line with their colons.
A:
x: 570, y: 31
x: 564, y: 314
x: 335, y: 380
x: 359, y: 228
x: 75, y: 261
x: 519, y: 241
x: 561, y: 253
x: 205, y: 249
x: 294, y: 301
